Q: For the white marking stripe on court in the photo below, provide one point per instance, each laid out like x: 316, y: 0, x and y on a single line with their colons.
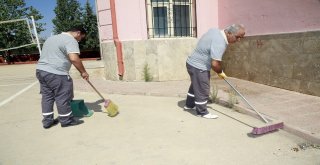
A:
x: 17, y: 94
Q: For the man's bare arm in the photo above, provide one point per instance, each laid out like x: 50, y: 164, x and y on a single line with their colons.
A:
x: 75, y: 60
x: 216, y: 66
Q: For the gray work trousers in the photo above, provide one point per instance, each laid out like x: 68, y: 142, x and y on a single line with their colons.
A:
x: 199, y: 89
x: 59, y: 89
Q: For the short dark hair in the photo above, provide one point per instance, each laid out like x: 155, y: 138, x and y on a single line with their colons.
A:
x: 78, y: 28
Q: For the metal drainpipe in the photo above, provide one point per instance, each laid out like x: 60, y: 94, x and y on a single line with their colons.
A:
x: 116, y: 40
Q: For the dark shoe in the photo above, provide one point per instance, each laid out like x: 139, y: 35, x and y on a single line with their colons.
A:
x: 72, y: 123
x: 55, y: 122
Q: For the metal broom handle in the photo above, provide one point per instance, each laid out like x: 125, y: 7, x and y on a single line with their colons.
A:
x: 264, y: 119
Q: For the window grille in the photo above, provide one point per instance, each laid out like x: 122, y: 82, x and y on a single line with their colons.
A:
x: 171, y: 18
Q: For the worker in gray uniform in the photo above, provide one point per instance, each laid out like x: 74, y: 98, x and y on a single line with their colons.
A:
x: 206, y: 56
x: 58, y: 54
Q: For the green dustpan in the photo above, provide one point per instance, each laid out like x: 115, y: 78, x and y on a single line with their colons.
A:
x: 79, y: 109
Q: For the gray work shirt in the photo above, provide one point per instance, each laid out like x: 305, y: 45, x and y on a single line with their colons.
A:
x: 211, y: 46
x: 54, y: 56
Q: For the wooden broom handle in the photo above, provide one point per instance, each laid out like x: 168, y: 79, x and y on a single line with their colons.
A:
x: 95, y: 89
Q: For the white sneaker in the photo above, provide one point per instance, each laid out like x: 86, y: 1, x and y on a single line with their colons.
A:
x: 188, y: 108
x: 209, y: 116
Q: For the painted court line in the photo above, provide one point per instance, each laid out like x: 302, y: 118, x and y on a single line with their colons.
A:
x: 17, y: 94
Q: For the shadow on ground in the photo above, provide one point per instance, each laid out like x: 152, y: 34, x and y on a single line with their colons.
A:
x: 95, y: 105
x: 182, y: 103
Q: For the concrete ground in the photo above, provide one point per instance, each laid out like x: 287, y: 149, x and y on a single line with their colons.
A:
x: 299, y: 112
x: 151, y: 128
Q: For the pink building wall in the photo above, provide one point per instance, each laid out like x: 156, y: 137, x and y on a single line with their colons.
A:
x: 271, y: 16
x: 104, y: 19
x: 207, y: 15
x: 259, y: 17
x: 132, y: 21
x: 131, y: 17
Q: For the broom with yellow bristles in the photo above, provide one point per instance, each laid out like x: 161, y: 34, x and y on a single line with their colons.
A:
x: 110, y: 108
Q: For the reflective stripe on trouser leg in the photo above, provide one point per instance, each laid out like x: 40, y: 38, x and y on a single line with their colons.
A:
x: 190, y: 97
x: 63, y: 100
x: 47, y: 99
x: 200, y: 81
x: 60, y: 88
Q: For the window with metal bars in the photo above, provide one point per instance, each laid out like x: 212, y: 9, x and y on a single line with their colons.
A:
x: 171, y: 18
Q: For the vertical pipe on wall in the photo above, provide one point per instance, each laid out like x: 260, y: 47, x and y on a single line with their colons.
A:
x: 116, y: 40
x: 194, y: 23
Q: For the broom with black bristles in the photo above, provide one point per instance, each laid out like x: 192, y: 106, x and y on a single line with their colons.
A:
x: 259, y: 130
x: 110, y: 108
